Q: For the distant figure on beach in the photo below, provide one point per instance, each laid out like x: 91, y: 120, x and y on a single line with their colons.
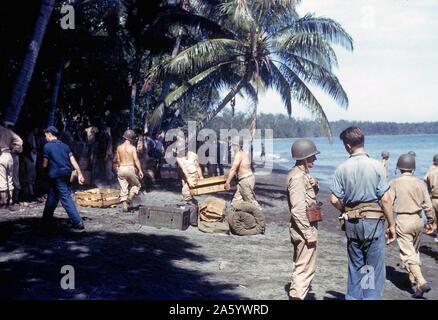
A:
x: 358, y: 185
x: 409, y: 197
x: 302, y: 189
x: 126, y: 162
x: 246, y: 180
x: 263, y: 154
x: 385, y: 158
x: 59, y: 161
x: 431, y: 180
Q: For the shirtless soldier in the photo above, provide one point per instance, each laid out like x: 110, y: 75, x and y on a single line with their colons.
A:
x: 126, y: 162
x: 246, y: 180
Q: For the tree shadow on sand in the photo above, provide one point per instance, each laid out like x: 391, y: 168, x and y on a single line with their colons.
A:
x: 398, y: 279
x: 107, y: 265
x: 429, y: 251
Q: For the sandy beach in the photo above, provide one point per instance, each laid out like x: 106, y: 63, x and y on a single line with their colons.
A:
x: 116, y: 258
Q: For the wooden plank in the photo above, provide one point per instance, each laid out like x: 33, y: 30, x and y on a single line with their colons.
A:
x: 211, y: 180
x: 210, y: 189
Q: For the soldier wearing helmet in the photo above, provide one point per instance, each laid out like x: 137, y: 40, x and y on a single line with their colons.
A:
x: 409, y: 198
x: 385, y: 158
x: 126, y: 163
x: 302, y: 189
x: 431, y: 180
x: 242, y: 168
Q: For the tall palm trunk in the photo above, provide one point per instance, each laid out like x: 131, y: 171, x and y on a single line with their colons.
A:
x: 133, y: 103
x: 210, y: 115
x: 133, y: 84
x: 19, y: 92
x: 55, y: 93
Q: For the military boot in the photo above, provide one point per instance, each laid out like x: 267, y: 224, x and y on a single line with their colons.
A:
x: 422, y: 285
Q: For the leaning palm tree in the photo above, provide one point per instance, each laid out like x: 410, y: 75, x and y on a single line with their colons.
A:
x: 264, y: 44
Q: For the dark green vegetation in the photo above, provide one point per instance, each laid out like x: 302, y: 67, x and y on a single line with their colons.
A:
x: 129, y: 63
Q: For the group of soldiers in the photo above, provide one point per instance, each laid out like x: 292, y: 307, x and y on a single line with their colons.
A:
x: 360, y: 190
x: 365, y: 199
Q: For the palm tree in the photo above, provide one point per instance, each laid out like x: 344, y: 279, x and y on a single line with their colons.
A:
x: 265, y: 44
x: 13, y: 109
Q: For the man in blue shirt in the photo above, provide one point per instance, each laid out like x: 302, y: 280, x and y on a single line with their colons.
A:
x: 360, y: 191
x: 59, y: 161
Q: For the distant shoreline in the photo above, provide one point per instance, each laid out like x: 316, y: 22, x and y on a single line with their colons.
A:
x: 374, y: 135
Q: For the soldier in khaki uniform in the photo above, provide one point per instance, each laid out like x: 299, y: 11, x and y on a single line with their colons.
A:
x: 302, y: 189
x: 246, y: 180
x: 431, y: 180
x: 9, y: 143
x: 409, y: 196
x: 188, y: 163
x: 126, y: 162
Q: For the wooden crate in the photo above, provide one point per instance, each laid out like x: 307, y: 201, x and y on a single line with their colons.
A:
x: 211, y: 185
x: 99, y: 197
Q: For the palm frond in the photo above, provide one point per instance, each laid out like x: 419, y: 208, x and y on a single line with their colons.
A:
x: 280, y: 84
x: 307, y: 45
x: 303, y: 95
x: 177, y: 93
x: 203, y: 55
x: 317, y: 75
x: 331, y: 30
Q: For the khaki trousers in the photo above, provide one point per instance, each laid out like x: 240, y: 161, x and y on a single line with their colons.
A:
x: 129, y: 182
x: 304, y: 261
x: 409, y: 228
x: 435, y: 206
x: 16, y: 171
x: 245, y: 191
x: 6, y: 170
x: 187, y: 197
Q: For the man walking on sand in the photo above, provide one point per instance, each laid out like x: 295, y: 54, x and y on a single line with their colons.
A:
x: 409, y: 198
x: 9, y: 141
x: 246, y: 180
x: 360, y: 191
x: 126, y: 162
x: 59, y: 161
x: 431, y: 180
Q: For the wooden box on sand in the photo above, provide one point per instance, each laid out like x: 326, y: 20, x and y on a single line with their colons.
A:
x: 211, y: 185
x: 99, y: 197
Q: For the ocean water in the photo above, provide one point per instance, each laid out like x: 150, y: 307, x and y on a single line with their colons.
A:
x: 332, y: 154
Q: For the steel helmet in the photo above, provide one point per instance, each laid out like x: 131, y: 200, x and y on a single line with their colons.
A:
x: 385, y: 154
x: 412, y: 153
x: 435, y: 159
x: 129, y: 135
x: 303, y: 149
x: 406, y: 162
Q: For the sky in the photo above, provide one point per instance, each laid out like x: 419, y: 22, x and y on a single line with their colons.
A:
x: 392, y: 74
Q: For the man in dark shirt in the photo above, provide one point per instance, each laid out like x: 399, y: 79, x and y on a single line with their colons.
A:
x: 59, y: 161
